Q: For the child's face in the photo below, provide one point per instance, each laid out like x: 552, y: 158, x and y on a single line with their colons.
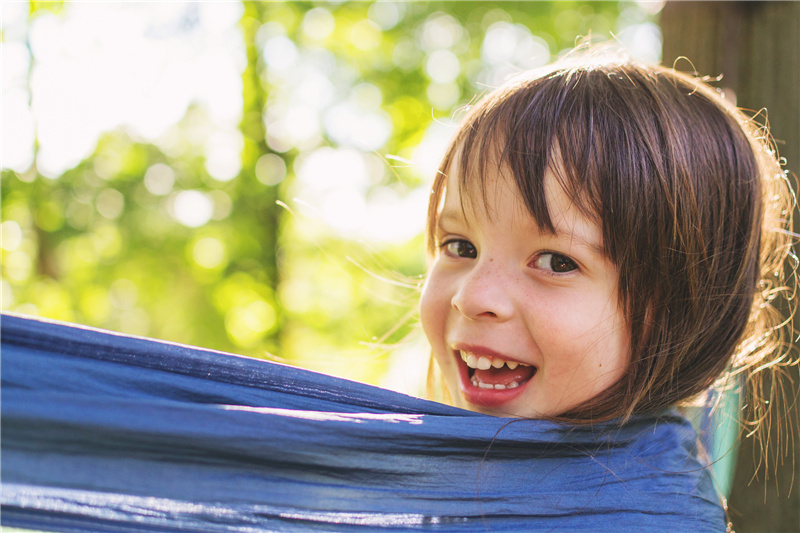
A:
x: 501, y: 293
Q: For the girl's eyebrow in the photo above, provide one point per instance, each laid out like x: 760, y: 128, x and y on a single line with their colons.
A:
x: 452, y: 216
x: 580, y: 240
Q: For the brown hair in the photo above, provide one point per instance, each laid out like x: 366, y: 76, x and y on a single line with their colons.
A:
x: 693, y: 206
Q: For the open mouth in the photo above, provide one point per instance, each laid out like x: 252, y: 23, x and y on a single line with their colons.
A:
x: 491, y: 381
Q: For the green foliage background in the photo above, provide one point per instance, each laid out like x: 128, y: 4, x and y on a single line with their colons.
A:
x: 97, y: 246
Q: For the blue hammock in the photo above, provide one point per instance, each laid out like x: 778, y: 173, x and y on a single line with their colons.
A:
x: 105, y: 432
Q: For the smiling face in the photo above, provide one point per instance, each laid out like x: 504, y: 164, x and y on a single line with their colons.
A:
x: 521, y: 321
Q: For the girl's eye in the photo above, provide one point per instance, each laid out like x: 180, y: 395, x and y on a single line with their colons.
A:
x: 460, y: 248
x: 555, y: 263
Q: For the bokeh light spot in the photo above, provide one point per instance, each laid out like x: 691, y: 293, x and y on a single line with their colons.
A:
x: 248, y: 324
x: 441, y: 31
x: 280, y: 53
x: 223, y: 150
x: 110, y: 203
x: 209, y: 253
x: 349, y: 125
x: 643, y: 41
x: 192, y: 208
x: 18, y: 135
x: 6, y: 295
x: 222, y: 205
x: 270, y: 169
x: 442, y: 66
x: 18, y: 266
x: 10, y: 235
x: 318, y: 23
x: 365, y: 35
x: 159, y: 179
x: 385, y: 14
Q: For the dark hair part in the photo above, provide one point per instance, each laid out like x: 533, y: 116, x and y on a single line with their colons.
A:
x: 693, y: 205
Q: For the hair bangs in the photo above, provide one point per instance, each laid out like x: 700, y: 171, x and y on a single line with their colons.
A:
x: 525, y: 132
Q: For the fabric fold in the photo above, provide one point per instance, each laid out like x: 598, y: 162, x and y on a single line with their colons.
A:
x: 107, y: 432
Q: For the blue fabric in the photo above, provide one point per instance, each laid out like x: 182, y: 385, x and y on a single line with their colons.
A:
x: 103, y: 432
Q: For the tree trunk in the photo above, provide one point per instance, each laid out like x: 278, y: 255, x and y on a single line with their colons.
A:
x: 258, y: 202
x: 755, y: 46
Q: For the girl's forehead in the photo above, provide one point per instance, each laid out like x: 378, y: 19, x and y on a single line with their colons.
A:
x: 480, y: 196
x: 486, y: 173
x: 476, y: 179
x: 497, y: 193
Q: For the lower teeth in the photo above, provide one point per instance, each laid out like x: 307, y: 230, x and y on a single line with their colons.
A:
x: 497, y: 386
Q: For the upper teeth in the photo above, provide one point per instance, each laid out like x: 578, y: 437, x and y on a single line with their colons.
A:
x: 484, y: 363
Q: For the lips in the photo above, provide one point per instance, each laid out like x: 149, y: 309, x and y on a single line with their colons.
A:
x: 490, y: 380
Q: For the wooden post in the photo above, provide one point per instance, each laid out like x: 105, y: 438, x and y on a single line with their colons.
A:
x: 756, y: 48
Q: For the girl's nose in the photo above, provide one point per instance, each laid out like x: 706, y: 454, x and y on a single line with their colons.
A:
x: 484, y: 294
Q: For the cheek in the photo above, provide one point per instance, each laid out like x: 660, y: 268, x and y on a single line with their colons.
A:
x: 580, y: 316
x: 434, y: 312
x: 600, y: 349
x: 433, y: 308
x: 584, y: 332
x: 564, y: 319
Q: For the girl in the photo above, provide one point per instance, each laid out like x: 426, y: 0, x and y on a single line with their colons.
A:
x: 607, y: 239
